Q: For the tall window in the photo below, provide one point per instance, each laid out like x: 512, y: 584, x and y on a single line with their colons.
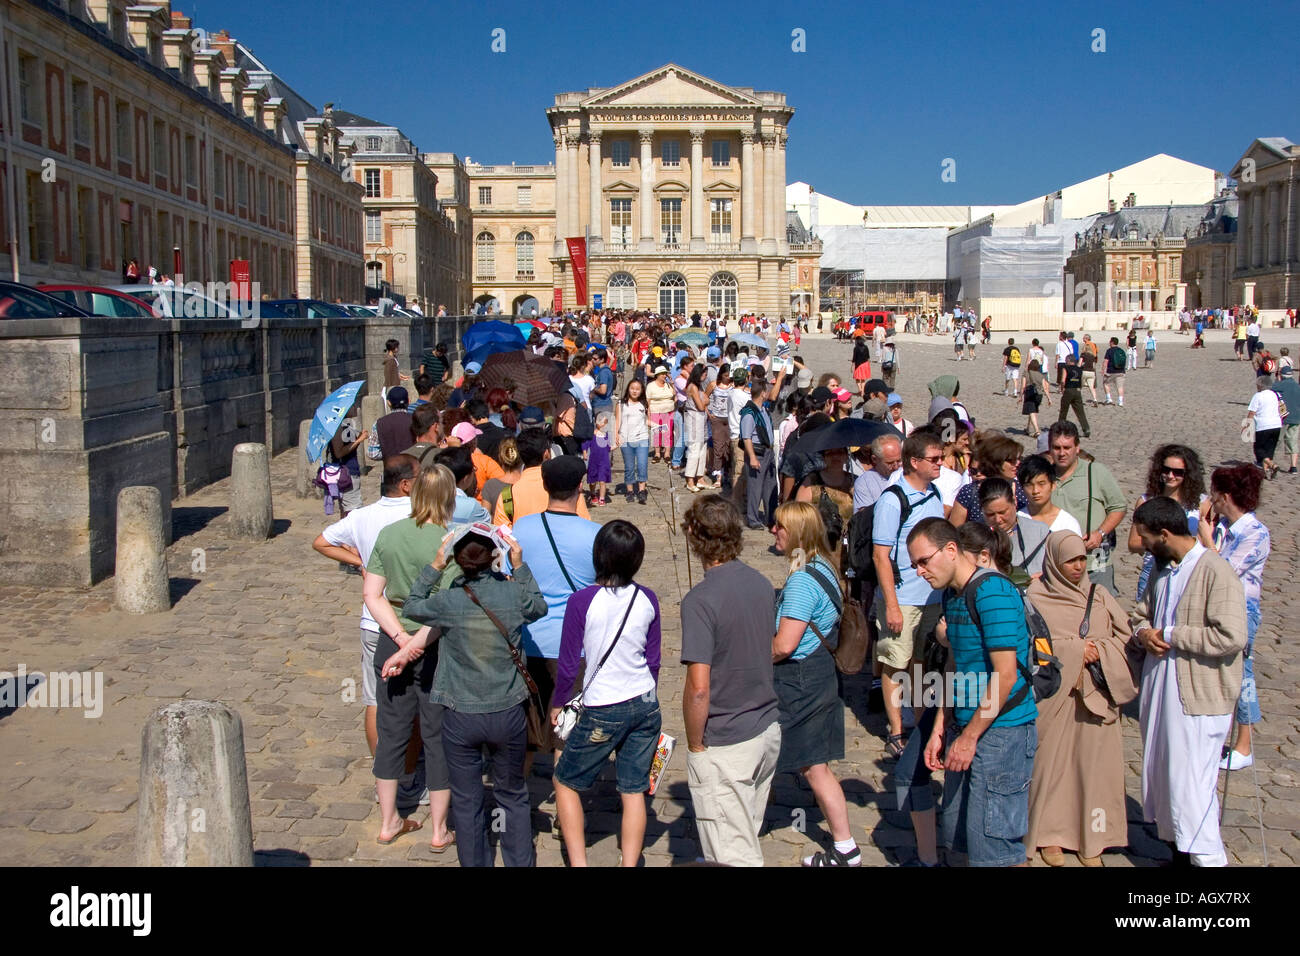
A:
x: 670, y: 153
x: 524, y: 255
x: 1134, y: 269
x: 620, y: 153
x: 374, y: 226
x: 486, y: 254
x: 219, y: 173
x: 40, y: 246
x: 159, y: 148
x: 720, y: 220
x: 524, y: 195
x: 29, y: 88
x: 372, y: 183
x: 670, y: 221
x: 620, y: 223
x: 87, y: 228
x: 721, y: 152
x: 485, y: 195
x: 123, y: 131
x: 672, y: 293
x: 375, y: 275
x: 191, y: 160
x: 722, y: 293
x: 81, y: 112
x: 372, y: 144
x: 621, y: 292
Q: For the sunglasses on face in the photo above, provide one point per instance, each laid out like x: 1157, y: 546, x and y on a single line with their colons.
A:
x: 922, y: 562
x: 1176, y: 472
x: 932, y: 459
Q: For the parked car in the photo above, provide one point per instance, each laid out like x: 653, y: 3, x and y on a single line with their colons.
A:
x: 18, y: 301
x: 869, y: 320
x: 361, y: 311
x: 98, y: 300
x: 302, y: 309
x: 165, y: 299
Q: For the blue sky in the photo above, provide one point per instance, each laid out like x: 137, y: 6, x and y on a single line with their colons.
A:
x: 883, y: 95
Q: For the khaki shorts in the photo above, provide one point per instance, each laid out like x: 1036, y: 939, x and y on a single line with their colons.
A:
x: 1291, y: 439
x: 899, y: 650
x: 1089, y: 379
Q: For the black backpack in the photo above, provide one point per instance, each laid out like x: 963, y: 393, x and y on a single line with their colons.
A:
x: 861, y: 550
x: 1043, y: 676
x: 584, y: 429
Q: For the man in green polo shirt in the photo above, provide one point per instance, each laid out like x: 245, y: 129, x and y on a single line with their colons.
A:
x: 1088, y: 491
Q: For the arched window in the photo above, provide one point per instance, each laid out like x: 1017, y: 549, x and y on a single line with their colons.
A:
x: 524, y: 255
x: 486, y: 250
x: 672, y: 293
x: 621, y: 292
x: 722, y: 293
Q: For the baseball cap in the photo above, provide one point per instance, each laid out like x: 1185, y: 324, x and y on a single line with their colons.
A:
x: 821, y: 395
x: 875, y: 410
x: 714, y: 352
x: 657, y: 351
x: 875, y: 385
x: 531, y: 417
x: 466, y: 432
x: 473, y: 368
x: 894, y: 399
x: 739, y: 376
x: 397, y: 397
x: 843, y: 395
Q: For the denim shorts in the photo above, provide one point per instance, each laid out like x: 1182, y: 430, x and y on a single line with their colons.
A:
x: 985, y: 812
x: 1248, y: 702
x: 630, y: 730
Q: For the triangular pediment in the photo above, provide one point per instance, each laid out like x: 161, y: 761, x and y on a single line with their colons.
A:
x: 671, y: 85
x: 621, y: 185
x: 722, y: 186
x: 1263, y: 152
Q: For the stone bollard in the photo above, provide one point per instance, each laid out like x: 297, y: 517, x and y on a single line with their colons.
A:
x: 250, y: 492
x: 304, y: 482
x: 193, y: 804
x: 140, y: 585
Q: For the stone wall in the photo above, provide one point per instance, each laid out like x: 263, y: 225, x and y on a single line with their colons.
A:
x: 90, y: 406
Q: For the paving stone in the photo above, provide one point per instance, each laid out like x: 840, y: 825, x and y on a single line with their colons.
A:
x: 287, y: 791
x: 348, y: 811
x: 299, y: 809
x: 318, y: 827
x: 110, y: 801
x: 62, y: 821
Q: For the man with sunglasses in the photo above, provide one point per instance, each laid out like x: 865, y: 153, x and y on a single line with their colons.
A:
x: 906, y: 607
x: 1089, y: 492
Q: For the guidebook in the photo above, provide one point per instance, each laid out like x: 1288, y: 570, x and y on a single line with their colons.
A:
x: 663, y: 753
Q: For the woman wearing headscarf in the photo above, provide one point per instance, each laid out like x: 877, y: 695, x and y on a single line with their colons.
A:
x: 1076, y: 796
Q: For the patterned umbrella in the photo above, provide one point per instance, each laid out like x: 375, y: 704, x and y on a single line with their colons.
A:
x: 325, y: 423
x: 689, y: 336
x: 536, y: 378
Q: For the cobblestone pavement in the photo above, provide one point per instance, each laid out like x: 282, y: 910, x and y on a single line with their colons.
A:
x: 271, y: 629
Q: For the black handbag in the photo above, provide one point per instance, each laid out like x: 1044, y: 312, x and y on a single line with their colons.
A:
x: 1094, y: 667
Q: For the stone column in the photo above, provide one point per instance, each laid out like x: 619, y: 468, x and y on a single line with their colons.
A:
x: 1248, y: 293
x: 697, y: 189
x: 574, y: 161
x: 251, y: 515
x: 647, y: 195
x: 747, y: 243
x: 561, y: 179
x: 1273, y: 231
x: 778, y: 200
x: 1243, y: 225
x: 141, y: 585
x: 768, y: 244
x: 1180, y: 296
x: 1257, y: 228
x: 597, y: 214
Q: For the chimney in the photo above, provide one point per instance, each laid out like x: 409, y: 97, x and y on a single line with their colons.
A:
x: 180, y: 21
x: 222, y: 42
x: 1110, y: 206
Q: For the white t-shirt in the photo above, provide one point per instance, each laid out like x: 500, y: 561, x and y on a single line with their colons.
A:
x: 1267, y: 413
x: 625, y: 674
x: 1063, y: 351
x: 1064, y: 521
x: 739, y: 397
x: 1252, y: 330
x: 361, y: 528
x: 949, y: 483
x: 586, y: 383
x: 1038, y: 355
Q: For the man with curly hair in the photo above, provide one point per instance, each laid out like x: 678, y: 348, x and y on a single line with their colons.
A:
x: 733, y: 736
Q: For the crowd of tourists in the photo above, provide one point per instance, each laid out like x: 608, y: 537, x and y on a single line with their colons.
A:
x: 502, y: 626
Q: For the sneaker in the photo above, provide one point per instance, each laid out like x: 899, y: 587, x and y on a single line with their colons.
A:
x: 642, y: 497
x: 834, y: 858
x: 1239, y: 761
x: 630, y: 496
x: 1290, y: 471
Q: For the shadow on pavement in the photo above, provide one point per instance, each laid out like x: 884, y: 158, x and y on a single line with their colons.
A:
x: 187, y: 521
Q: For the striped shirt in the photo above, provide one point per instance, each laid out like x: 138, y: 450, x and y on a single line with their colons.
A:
x: 1245, y: 544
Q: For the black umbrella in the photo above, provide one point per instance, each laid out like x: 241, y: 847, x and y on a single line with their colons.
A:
x: 846, y: 433
x: 536, y: 379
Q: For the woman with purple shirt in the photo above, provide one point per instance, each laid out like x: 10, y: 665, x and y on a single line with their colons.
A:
x: 614, y: 624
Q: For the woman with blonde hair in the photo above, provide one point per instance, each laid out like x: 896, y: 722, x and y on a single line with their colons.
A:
x: 807, y: 689
x: 401, y: 551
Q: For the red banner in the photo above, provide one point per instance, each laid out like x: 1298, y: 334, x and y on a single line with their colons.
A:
x: 240, y: 276
x: 558, y: 301
x: 578, y: 259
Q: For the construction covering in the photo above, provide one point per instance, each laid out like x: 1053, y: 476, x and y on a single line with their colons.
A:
x: 902, y: 254
x: 995, y: 267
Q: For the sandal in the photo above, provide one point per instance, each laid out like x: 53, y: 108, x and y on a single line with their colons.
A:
x: 442, y: 847
x: 894, y: 746
x: 408, y: 826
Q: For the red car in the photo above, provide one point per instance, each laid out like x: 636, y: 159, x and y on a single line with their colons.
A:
x: 867, y: 321
x: 100, y: 301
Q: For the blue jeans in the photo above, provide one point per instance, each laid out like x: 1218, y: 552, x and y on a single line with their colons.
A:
x: 985, y: 810
x: 1248, y: 702
x: 636, y: 463
x: 629, y: 730
x: 679, y: 443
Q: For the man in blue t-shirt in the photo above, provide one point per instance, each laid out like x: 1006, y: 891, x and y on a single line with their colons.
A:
x: 989, y: 712
x: 602, y: 395
x: 907, y: 608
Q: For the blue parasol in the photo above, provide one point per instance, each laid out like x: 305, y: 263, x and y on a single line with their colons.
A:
x: 749, y: 338
x: 481, y: 333
x: 325, y: 423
